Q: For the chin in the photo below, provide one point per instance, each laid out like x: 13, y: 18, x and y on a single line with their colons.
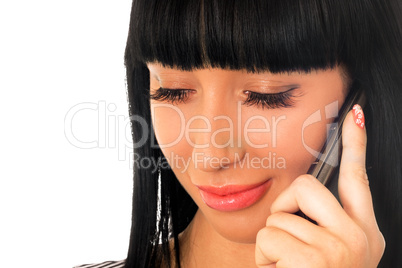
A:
x: 241, y: 236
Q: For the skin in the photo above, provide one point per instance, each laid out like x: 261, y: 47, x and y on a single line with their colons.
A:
x: 267, y: 233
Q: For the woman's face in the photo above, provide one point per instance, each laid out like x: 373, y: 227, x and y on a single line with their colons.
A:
x: 235, y: 140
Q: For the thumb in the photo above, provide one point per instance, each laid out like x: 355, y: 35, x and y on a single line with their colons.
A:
x: 354, y: 191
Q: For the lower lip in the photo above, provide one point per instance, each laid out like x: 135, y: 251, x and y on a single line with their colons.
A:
x: 236, y: 201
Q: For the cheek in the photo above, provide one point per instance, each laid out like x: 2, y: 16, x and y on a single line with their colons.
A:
x: 169, y: 123
x: 284, y: 138
x: 297, y: 142
x: 293, y: 138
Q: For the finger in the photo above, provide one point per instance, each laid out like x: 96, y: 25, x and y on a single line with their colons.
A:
x: 298, y: 227
x: 307, y: 194
x: 353, y: 187
x: 274, y: 246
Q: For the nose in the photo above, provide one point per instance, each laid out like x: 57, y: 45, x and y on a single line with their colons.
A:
x: 215, y: 135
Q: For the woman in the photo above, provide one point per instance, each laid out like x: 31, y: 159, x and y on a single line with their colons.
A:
x: 218, y: 87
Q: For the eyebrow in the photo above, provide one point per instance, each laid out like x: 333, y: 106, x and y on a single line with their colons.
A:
x: 165, y: 75
x: 272, y: 83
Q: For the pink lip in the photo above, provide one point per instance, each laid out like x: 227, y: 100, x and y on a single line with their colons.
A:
x: 233, y: 197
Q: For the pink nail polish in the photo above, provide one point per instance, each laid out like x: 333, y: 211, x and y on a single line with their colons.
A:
x: 358, y: 115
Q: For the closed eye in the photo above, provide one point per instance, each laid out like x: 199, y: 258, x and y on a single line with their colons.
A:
x: 171, y: 95
x: 270, y: 101
x: 262, y: 100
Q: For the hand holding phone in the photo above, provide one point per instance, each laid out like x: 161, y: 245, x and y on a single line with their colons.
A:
x: 326, y: 167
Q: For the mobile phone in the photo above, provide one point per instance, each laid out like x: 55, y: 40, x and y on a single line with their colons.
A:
x: 326, y: 167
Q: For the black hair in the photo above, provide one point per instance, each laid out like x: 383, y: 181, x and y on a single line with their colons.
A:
x: 278, y: 36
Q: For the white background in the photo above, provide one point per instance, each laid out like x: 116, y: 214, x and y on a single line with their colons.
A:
x: 60, y: 204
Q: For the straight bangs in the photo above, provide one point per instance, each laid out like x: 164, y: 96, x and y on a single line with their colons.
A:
x: 256, y: 35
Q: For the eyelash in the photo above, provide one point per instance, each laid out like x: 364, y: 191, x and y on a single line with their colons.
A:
x: 171, y: 95
x: 269, y: 101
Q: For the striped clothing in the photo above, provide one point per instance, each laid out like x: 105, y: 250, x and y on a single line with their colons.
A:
x: 106, y: 264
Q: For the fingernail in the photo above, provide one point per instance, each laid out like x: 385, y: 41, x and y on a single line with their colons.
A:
x: 358, y: 115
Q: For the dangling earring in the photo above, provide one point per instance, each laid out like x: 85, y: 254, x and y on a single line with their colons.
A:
x: 159, y: 170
